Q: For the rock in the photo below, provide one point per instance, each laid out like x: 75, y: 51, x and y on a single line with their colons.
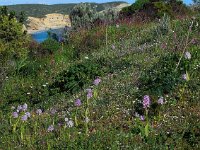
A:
x: 49, y: 22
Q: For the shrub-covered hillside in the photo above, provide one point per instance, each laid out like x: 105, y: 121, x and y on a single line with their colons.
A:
x: 113, y: 85
x: 156, y: 8
x: 40, y: 10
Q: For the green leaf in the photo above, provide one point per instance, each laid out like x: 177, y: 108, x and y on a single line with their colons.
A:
x: 187, y: 76
x: 95, y: 93
x: 147, y: 130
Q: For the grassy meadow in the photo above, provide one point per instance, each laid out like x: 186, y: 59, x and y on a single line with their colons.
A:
x: 125, y: 86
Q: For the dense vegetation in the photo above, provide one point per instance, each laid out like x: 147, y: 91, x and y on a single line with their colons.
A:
x: 156, y: 8
x: 12, y: 40
x: 118, y: 85
x: 40, y: 10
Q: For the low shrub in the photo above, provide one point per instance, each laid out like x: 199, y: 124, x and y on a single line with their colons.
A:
x: 163, y: 26
x: 18, y: 90
x: 77, y: 76
x: 50, y: 45
x: 165, y: 77
x: 130, y: 10
x: 155, y: 9
x: 108, y: 16
x: 162, y: 77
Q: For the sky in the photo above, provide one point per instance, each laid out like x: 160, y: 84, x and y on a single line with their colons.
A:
x: 11, y: 2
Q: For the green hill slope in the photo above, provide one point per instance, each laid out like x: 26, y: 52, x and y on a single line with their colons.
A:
x: 40, y: 10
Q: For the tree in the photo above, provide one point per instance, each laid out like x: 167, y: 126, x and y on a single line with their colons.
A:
x: 4, y: 11
x: 22, y: 17
x: 12, y: 38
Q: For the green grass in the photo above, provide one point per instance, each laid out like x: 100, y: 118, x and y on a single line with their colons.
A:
x: 135, y: 67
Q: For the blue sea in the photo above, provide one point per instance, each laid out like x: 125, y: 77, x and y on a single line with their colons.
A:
x: 43, y: 35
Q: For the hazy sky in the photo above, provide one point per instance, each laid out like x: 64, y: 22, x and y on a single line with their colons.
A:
x: 10, y: 2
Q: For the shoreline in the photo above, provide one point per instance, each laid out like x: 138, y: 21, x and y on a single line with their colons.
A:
x: 44, y: 29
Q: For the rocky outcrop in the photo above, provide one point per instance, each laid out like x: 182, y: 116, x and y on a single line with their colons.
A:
x: 51, y: 21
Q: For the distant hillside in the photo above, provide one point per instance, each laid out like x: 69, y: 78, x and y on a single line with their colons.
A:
x: 40, y: 10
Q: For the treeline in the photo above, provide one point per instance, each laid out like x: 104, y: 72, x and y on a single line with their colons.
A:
x: 40, y: 10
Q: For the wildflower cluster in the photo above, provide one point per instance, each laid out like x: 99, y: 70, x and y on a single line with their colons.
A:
x: 97, y: 81
x: 22, y: 111
x: 77, y: 102
x: 89, y: 93
x: 146, y: 101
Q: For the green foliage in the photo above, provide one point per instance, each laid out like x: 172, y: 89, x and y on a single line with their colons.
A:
x: 22, y: 17
x: 4, y: 11
x: 77, y: 76
x: 40, y: 10
x: 24, y: 90
x: 50, y: 45
x: 131, y: 63
x: 11, y: 35
x: 196, y: 6
x: 83, y: 16
x: 10, y: 29
x: 163, y: 8
x: 85, y: 41
x: 163, y: 77
x: 139, y: 4
x: 156, y: 8
x: 12, y: 39
x: 164, y: 26
x: 108, y: 16
x: 128, y: 11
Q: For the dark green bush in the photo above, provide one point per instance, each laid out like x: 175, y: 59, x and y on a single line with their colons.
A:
x: 164, y: 78
x: 30, y: 68
x: 163, y: 8
x: 77, y: 76
x: 128, y: 11
x: 50, y: 45
x: 24, y: 91
x: 13, y: 42
x: 12, y: 38
x: 156, y: 8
